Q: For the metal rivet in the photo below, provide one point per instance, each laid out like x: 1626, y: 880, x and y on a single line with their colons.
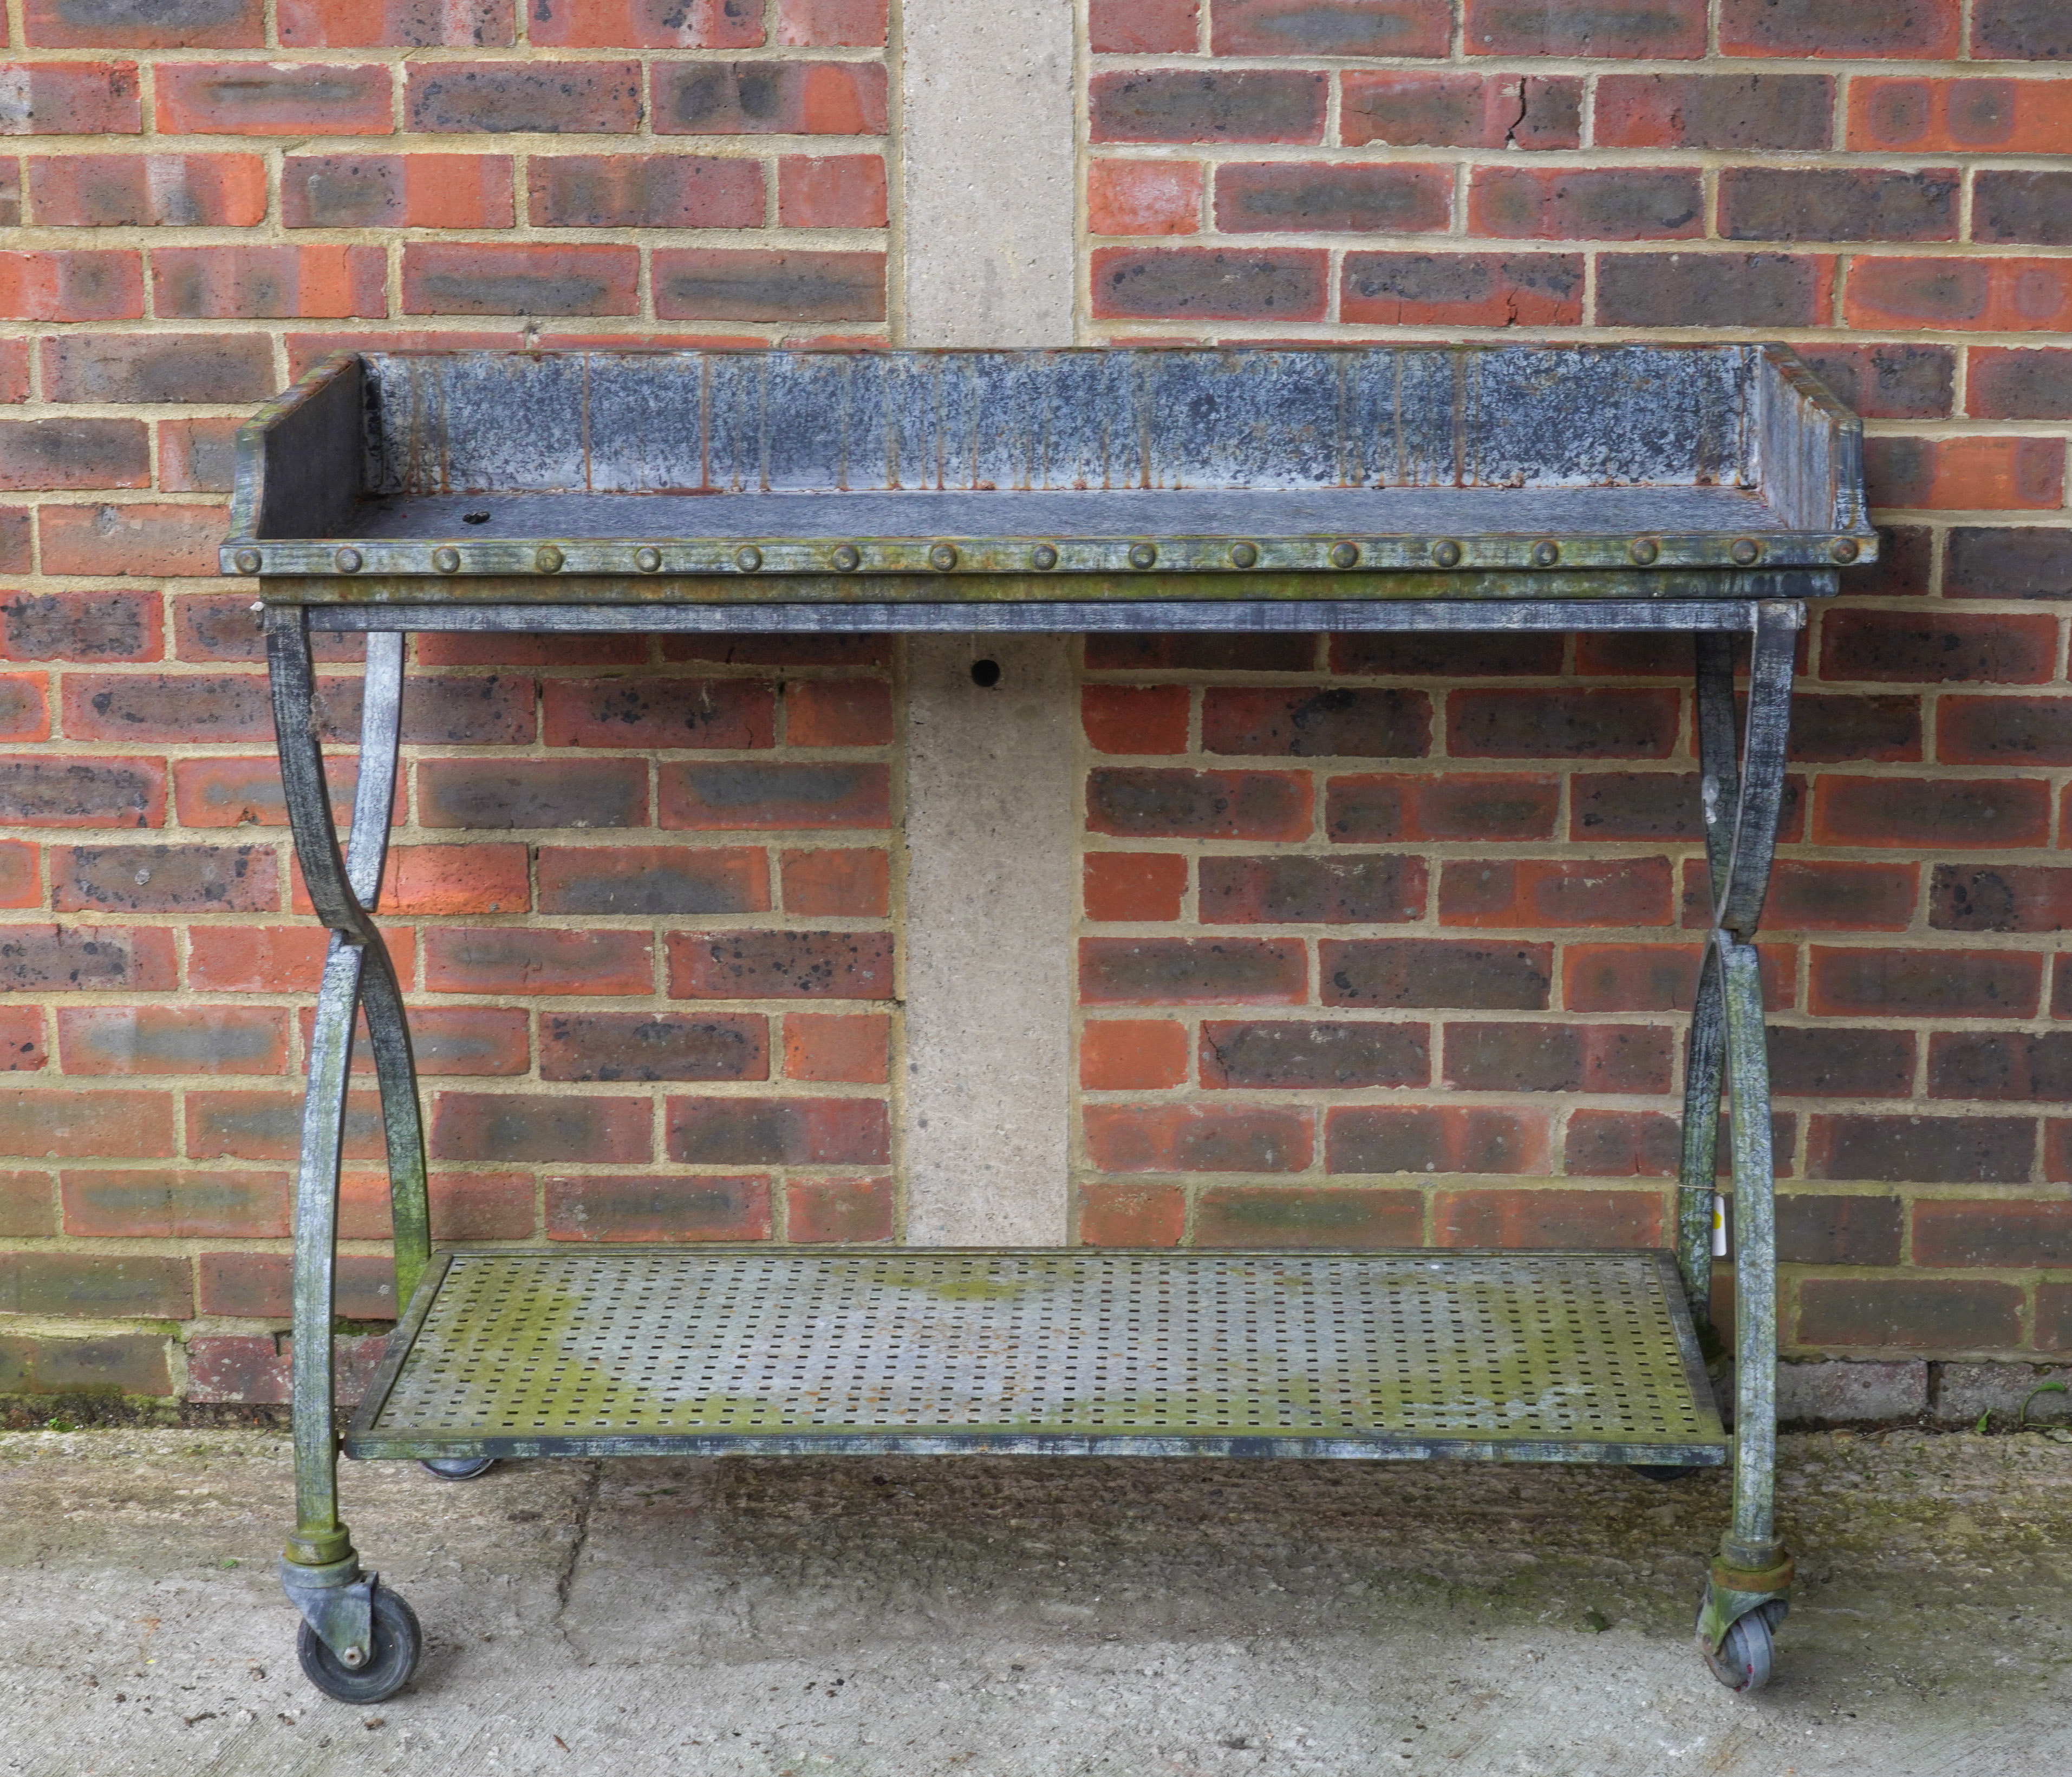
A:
x: 447, y: 562
x: 1446, y: 555
x: 1545, y: 555
x: 846, y: 558
x: 1044, y: 555
x: 548, y: 559
x: 348, y: 561
x: 648, y: 561
x: 1844, y: 549
x: 1243, y: 555
x: 1344, y: 555
x: 247, y: 561
x: 748, y: 560
x: 1142, y: 555
x: 1643, y: 550
x: 1746, y: 550
x: 942, y: 558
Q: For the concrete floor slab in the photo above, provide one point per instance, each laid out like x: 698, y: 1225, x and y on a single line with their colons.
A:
x: 983, y: 1615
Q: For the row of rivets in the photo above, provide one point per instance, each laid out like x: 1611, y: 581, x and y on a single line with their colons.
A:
x: 1744, y: 551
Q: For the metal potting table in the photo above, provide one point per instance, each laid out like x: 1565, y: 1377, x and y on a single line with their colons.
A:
x: 1705, y: 489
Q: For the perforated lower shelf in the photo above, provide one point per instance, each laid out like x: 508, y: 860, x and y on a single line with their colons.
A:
x: 1543, y: 1356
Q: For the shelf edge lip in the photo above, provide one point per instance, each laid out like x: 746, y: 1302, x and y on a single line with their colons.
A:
x: 750, y: 559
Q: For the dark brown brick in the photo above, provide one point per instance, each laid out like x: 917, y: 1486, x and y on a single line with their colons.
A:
x: 1922, y: 1150
x: 157, y: 367
x: 1241, y: 1215
x: 1432, y: 1139
x: 2021, y: 30
x: 2019, y: 383
x: 41, y: 789
x: 711, y: 1131
x: 741, y: 965
x: 490, y: 709
x: 721, y: 284
x: 1547, y: 1217
x: 519, y: 277
x: 1306, y: 27
x: 1838, y: 28
x: 1562, y: 725
x: 1838, y: 203
x: 1965, y: 897
x: 1938, y: 648
x: 1621, y: 1144
x: 1713, y: 290
x: 259, y: 1286
x: 110, y: 1287
x: 532, y: 1128
x: 26, y: 1211
x: 1973, y: 813
x: 1829, y: 730
x: 770, y: 98
x: 1147, y: 802
x: 1314, y: 1054
x: 1539, y: 893
x: 645, y: 191
x: 1485, y: 805
x: 752, y: 796
x: 1615, y: 28
x: 1740, y: 112
x: 634, y: 1045
x: 1836, y: 1230
x: 1557, y: 1058
x: 1306, y: 197
x: 162, y: 707
x: 691, y: 713
x: 1889, y: 382
x: 85, y: 626
x: 1209, y: 284
x: 1306, y: 724
x: 476, y: 98
x: 122, y: 1363
x: 1427, y: 972
x: 2015, y: 561
x: 1871, y: 982
x: 643, y: 1206
x: 1465, y: 290
x: 73, y: 452
x: 1226, y: 105
x: 1911, y: 1314
x: 42, y: 958
x: 1125, y: 971
x: 2000, y: 1064
x: 1825, y: 1061
x: 1606, y: 203
x: 532, y: 793
x: 165, y: 1204
x: 1994, y: 731
x: 1202, y: 1138
x: 653, y: 880
x: 1377, y: 888
x: 1460, y: 110
x: 1905, y: 555
x: 172, y: 879
x: 485, y: 959
x: 1201, y: 653
x: 1998, y: 1231
x: 2034, y: 207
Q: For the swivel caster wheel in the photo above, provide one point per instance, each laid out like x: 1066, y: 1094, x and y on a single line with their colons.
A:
x: 391, y: 1655
x: 1742, y: 1662
x: 458, y: 1468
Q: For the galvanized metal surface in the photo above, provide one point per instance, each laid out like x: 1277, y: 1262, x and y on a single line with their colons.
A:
x: 1525, y: 1355
x: 1527, y: 459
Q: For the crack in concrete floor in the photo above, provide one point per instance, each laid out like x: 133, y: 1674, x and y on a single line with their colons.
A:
x: 784, y: 1618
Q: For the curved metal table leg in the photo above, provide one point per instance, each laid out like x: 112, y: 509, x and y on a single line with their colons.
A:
x: 1754, y: 1571
x: 320, y: 1570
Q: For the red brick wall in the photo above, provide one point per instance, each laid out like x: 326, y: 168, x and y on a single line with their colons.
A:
x: 641, y: 887
x: 1493, y: 1057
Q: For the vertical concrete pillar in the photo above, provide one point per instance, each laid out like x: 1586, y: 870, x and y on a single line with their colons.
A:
x: 987, y: 215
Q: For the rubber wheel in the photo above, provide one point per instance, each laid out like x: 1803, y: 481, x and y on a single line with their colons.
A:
x: 1743, y: 1661
x: 1663, y: 1472
x: 458, y: 1468
x: 398, y: 1641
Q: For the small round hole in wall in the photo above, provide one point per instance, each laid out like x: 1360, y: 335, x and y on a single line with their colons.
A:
x: 985, y: 674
